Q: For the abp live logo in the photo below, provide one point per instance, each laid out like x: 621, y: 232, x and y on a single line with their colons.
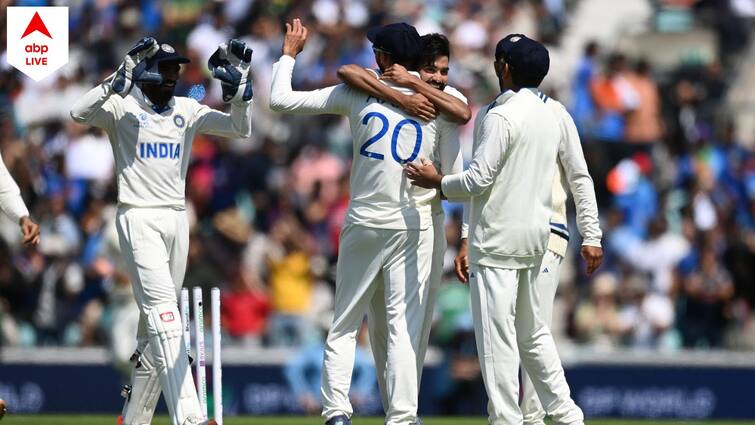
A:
x: 37, y: 39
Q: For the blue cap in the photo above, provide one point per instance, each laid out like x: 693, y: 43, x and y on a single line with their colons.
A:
x: 166, y: 53
x: 525, y: 56
x: 400, y: 39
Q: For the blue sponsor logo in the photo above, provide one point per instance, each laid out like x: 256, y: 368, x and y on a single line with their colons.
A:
x: 160, y: 150
x: 179, y: 121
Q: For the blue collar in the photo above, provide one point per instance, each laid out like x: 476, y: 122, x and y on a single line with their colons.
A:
x: 159, y: 109
x: 143, y: 97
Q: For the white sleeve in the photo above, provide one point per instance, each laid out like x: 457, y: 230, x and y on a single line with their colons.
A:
x: 465, y: 221
x: 572, y: 160
x: 449, y: 149
x: 97, y: 107
x: 486, y: 163
x: 11, y: 202
x: 330, y: 100
x: 236, y: 124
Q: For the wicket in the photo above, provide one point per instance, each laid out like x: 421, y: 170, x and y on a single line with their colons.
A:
x: 199, y: 347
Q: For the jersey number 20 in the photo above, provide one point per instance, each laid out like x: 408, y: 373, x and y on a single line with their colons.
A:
x: 394, y: 138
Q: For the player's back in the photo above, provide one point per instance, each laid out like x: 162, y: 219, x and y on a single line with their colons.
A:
x: 384, y: 139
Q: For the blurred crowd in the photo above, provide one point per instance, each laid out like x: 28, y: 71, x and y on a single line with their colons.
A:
x: 675, y: 187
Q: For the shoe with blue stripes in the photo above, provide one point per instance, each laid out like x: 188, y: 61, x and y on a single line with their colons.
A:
x: 339, y: 420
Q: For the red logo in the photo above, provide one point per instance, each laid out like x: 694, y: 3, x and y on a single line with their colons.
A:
x: 167, y: 316
x: 36, y: 24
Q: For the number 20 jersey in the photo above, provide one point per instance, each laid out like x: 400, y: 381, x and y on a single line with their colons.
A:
x: 384, y: 140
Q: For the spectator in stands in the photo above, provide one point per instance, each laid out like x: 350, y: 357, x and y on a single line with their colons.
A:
x: 596, y: 320
x: 290, y: 283
x: 708, y: 291
x: 643, y: 123
x: 614, y: 97
x: 583, y: 107
x: 245, y: 308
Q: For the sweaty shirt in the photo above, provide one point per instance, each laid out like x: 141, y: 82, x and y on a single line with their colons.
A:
x: 384, y: 139
x: 152, y: 146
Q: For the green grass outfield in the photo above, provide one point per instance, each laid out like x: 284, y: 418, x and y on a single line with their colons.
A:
x: 295, y: 420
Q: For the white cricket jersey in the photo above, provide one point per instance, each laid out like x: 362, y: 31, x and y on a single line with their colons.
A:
x: 510, y: 181
x: 385, y: 139
x: 152, y: 146
x: 11, y: 202
x: 571, y: 176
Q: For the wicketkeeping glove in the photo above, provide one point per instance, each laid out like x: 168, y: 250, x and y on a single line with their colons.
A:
x: 231, y: 64
x: 134, y: 66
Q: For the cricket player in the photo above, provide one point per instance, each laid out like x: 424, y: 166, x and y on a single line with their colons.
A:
x: 13, y: 206
x: 509, y: 184
x: 452, y: 105
x: 151, y: 133
x: 571, y: 176
x: 386, y: 244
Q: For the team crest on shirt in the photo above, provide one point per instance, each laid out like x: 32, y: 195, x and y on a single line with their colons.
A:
x: 142, y: 121
x: 179, y: 120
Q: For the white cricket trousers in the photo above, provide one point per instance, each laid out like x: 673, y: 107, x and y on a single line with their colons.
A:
x: 376, y: 317
x: 387, y: 272
x: 154, y: 243
x: 546, y: 286
x: 507, y: 325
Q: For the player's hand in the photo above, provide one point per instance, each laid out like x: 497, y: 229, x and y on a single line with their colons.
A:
x: 593, y: 256
x: 423, y: 174
x: 296, y: 36
x: 29, y: 230
x: 461, y: 262
x: 419, y: 106
x: 399, y: 75
x: 134, y: 67
x: 232, y: 65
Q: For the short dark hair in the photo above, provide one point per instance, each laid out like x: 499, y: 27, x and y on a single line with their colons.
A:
x: 434, y: 46
x: 522, y: 78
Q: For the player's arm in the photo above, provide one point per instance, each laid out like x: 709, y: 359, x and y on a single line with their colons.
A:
x: 453, y: 108
x: 482, y: 171
x: 231, y: 65
x: 330, y: 100
x: 97, y: 107
x: 367, y: 82
x: 572, y: 160
x: 237, y: 123
x: 13, y: 206
x: 461, y: 262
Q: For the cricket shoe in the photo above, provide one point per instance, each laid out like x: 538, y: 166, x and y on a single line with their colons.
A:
x: 119, y: 420
x: 193, y: 420
x: 339, y: 420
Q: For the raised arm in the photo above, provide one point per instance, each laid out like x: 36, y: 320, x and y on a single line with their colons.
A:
x: 95, y: 107
x: 231, y: 64
x: 454, y: 108
x: 367, y: 82
x: 237, y: 123
x: 330, y: 100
